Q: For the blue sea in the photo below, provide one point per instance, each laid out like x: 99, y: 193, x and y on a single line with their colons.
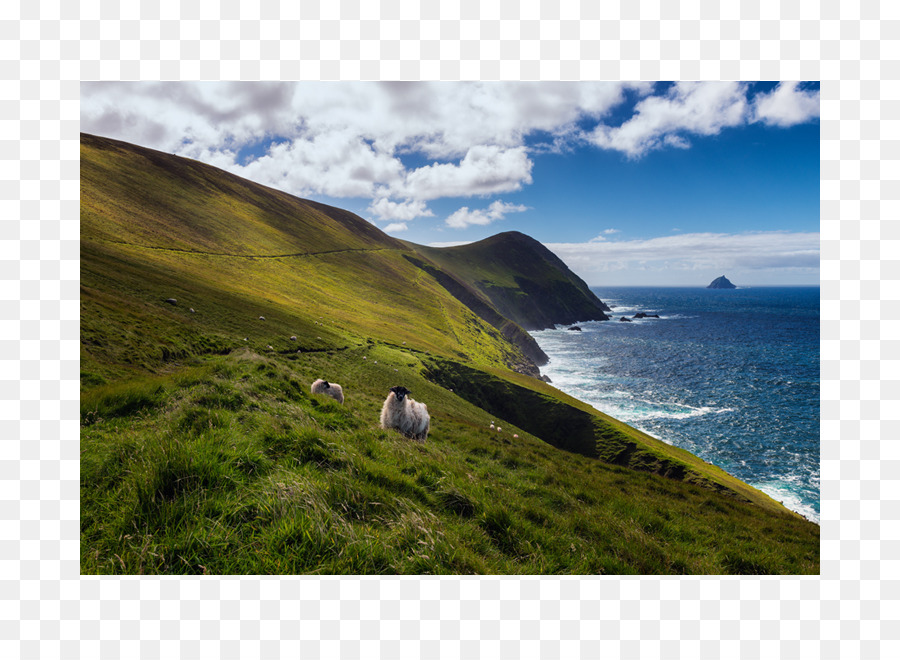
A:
x: 730, y: 375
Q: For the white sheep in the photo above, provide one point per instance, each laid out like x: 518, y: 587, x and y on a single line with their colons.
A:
x: 407, y: 416
x: 333, y: 390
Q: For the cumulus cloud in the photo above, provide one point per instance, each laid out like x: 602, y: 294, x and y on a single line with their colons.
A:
x: 385, y: 209
x: 403, y: 144
x: 335, y: 164
x: 485, y: 170
x: 696, y: 251
x: 688, y: 107
x: 348, y: 138
x: 395, y: 227
x: 465, y: 217
x: 786, y: 105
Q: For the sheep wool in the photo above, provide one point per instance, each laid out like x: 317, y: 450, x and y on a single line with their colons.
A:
x: 333, y: 390
x: 409, y: 417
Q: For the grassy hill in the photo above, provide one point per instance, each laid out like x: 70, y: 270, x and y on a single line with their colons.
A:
x: 525, y: 281
x: 203, y: 450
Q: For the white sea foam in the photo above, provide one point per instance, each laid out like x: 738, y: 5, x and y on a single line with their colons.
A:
x: 784, y: 493
x: 589, y: 366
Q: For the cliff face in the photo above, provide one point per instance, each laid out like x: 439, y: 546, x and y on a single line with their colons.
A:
x: 524, y: 280
x: 721, y: 283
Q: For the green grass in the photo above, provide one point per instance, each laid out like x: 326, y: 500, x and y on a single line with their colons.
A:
x: 233, y: 467
x: 202, y: 449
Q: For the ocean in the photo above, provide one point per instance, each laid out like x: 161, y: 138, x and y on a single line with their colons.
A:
x: 730, y: 375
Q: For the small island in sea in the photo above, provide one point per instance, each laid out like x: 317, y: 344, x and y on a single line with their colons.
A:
x: 721, y: 283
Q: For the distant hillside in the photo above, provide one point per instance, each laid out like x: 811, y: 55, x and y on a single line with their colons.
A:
x: 524, y: 280
x: 210, y: 303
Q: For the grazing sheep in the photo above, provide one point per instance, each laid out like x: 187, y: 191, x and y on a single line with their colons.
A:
x: 293, y: 337
x: 333, y: 390
x: 262, y: 318
x: 407, y: 416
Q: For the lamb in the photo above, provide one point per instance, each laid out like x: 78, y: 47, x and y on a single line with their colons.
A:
x: 406, y: 415
x: 333, y: 390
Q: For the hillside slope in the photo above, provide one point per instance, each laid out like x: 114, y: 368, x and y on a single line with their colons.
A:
x: 203, y: 451
x: 524, y: 280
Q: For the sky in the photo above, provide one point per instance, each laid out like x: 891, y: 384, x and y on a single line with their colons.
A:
x: 644, y: 184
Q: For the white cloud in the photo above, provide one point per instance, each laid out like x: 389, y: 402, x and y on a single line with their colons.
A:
x: 372, y: 124
x: 700, y: 108
x: 354, y: 139
x: 691, y: 252
x: 786, y: 105
x: 602, y: 235
x: 485, y: 170
x: 465, y: 217
x: 335, y: 164
x: 385, y: 209
x: 396, y: 227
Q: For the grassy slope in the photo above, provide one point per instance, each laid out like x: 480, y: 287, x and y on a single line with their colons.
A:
x: 201, y: 449
x: 522, y: 278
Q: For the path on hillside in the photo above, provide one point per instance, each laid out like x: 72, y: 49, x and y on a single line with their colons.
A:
x: 243, y: 256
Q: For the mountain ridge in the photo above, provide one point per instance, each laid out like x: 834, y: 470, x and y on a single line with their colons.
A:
x: 544, y: 292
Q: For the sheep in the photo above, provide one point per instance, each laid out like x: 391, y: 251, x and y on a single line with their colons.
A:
x: 333, y: 390
x: 407, y: 416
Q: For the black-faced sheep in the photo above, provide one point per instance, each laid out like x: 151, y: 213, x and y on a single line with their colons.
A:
x: 333, y: 390
x: 407, y: 416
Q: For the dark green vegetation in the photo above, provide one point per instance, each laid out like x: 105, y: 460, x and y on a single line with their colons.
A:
x: 203, y: 450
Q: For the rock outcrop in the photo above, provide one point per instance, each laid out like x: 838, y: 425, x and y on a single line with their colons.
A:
x: 721, y: 283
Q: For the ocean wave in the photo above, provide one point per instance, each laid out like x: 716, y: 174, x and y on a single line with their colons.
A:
x: 737, y: 389
x: 785, y: 493
x: 679, y: 410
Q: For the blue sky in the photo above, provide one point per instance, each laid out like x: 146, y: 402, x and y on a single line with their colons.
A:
x: 643, y: 184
